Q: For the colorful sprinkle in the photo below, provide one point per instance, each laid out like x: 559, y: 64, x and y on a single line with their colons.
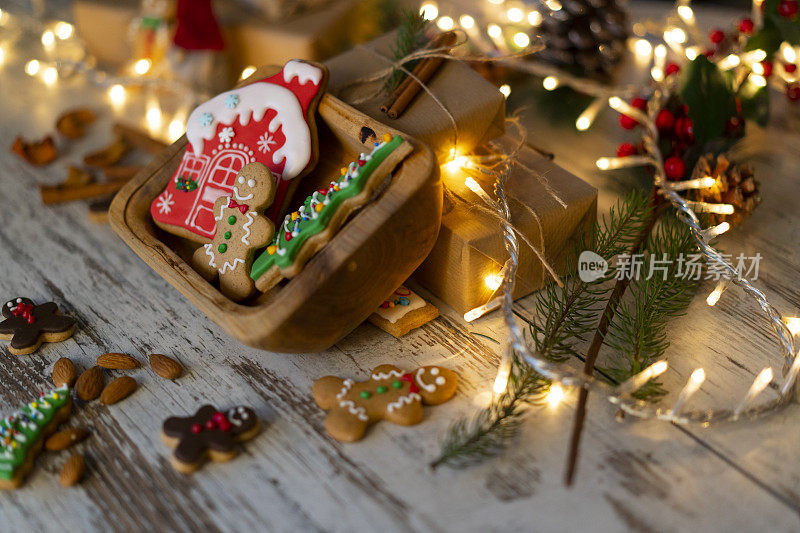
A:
x: 397, y: 384
x: 227, y: 235
x: 222, y: 248
x: 366, y: 394
x: 206, y: 119
x: 231, y: 101
x: 382, y: 389
x: 231, y: 220
x: 387, y: 137
x: 271, y: 249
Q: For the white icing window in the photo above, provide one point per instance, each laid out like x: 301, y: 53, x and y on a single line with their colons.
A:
x: 226, y: 166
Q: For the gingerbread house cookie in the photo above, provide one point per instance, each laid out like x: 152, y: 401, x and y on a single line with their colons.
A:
x: 270, y: 121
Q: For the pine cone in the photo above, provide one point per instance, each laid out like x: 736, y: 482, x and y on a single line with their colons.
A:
x: 584, y: 35
x: 734, y: 185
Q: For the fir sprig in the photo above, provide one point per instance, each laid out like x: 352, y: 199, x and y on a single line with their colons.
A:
x: 567, y: 314
x: 410, y: 38
x: 637, y: 336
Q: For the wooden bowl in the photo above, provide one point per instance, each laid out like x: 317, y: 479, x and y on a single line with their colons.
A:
x: 372, y: 254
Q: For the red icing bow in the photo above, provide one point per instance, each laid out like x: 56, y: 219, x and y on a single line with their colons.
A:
x: 241, y: 207
x: 25, y: 311
x: 410, y: 379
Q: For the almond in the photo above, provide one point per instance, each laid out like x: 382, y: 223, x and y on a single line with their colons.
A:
x: 166, y: 367
x: 64, y: 372
x: 117, y: 390
x: 72, y: 471
x: 117, y: 361
x: 65, y: 438
x: 90, y: 384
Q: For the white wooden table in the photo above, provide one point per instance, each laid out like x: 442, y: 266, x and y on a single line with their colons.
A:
x: 643, y: 476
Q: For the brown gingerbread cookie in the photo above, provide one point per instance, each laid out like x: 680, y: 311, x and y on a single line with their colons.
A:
x: 390, y: 394
x: 208, y: 433
x: 241, y: 230
x: 403, y: 311
x: 28, y: 325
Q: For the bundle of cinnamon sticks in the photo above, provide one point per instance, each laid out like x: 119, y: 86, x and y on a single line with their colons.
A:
x: 401, y: 97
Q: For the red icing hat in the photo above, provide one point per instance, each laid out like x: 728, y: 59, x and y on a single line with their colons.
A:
x: 197, y: 28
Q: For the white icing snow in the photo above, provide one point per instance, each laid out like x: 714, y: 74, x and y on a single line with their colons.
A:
x: 304, y: 72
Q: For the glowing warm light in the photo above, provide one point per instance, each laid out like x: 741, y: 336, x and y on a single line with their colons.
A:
x: 247, y: 72
x: 698, y: 377
x: 554, y: 5
x: 176, y: 128
x: 515, y: 14
x: 496, y: 2
x: 793, y: 323
x: 757, y: 68
x: 637, y: 381
x: 789, y: 55
x: 473, y: 185
x: 603, y: 163
x: 763, y: 379
x: 521, y: 39
x: 48, y: 39
x: 429, y: 11
x: 555, y: 395
x: 506, y: 90
x: 550, y: 83
x: 686, y: 13
x: 704, y: 207
x: 493, y: 281
x: 755, y: 56
x: 657, y: 73
x: 695, y: 381
x: 142, y: 66
x: 32, y: 67
x: 758, y: 81
x: 50, y: 76
x: 660, y: 51
x: 659, y: 367
x: 716, y: 231
x: 677, y: 35
x: 716, y: 294
x: 2, y: 55
x: 494, y: 31
x: 501, y: 381
x: 643, y: 48
x: 691, y: 53
x: 116, y: 93
x: 466, y: 22
x: 64, y: 30
x: 153, y: 117
x: 478, y: 312
x: 534, y: 18
x: 445, y: 23
x: 586, y: 119
x: 456, y: 163
x: 699, y: 183
x: 583, y: 123
x: 729, y: 62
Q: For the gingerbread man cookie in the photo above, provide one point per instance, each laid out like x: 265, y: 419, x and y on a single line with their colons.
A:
x: 389, y: 394
x: 241, y: 230
x: 28, y: 325
x: 209, y: 433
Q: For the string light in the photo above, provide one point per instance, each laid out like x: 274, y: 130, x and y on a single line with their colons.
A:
x: 32, y: 67
x: 793, y: 323
x: 48, y: 40
x: 505, y: 89
x: 515, y: 15
x: 550, y: 83
x: 637, y: 381
x: 729, y: 62
x: 695, y: 382
x: 494, y: 31
x: 429, y: 11
x: 534, y: 18
x: 153, y: 117
x: 50, y: 76
x: 586, y: 119
x: 555, y: 395
x: 64, y: 30
x: 614, y: 163
x: 142, y: 66
x: 716, y: 294
x: 177, y: 127
x: 466, y: 22
x: 247, y: 72
x: 757, y: 80
x: 2, y: 55
x: 501, y: 380
x: 493, y: 281
x: 763, y: 379
x: 643, y: 48
x: 692, y: 52
x: 474, y: 314
x: 554, y: 5
x: 705, y: 207
x: 445, y: 23
x: 116, y: 93
x: 686, y: 13
x: 521, y: 40
x: 699, y: 183
x: 715, y: 231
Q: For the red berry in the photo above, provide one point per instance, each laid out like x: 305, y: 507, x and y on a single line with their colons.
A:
x: 709, y: 53
x: 675, y: 168
x: 787, y: 8
x: 716, y: 36
x: 672, y: 68
x: 627, y: 122
x: 665, y: 120
x: 789, y: 67
x: 767, y: 66
x: 197, y: 428
x: 684, y: 129
x: 218, y: 417
x: 793, y: 92
x: 626, y: 149
x: 225, y: 426
x: 746, y: 26
x: 210, y: 424
x: 639, y: 103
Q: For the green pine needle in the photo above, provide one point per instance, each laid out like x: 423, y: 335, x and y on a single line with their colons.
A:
x: 410, y: 38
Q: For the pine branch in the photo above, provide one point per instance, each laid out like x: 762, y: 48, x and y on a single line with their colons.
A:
x: 567, y: 314
x: 410, y: 38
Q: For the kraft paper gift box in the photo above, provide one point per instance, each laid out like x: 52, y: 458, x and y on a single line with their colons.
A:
x: 470, y: 251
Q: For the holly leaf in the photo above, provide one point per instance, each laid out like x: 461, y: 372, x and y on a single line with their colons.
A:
x: 704, y: 90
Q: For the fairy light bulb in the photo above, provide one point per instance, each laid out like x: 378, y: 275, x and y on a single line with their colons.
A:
x: 494, y: 31
x: 445, y: 23
x: 515, y: 15
x: 554, y: 5
x: 2, y: 55
x: 555, y: 395
x: 429, y: 11
x: 758, y: 80
x: 550, y: 83
x: 716, y: 294
x: 32, y: 67
x: 64, y: 30
x: 534, y: 18
x: 501, y: 381
x: 763, y: 379
x: 50, y: 76
x: 153, y: 117
x: 493, y: 281
x: 685, y: 12
x: 715, y: 231
x: 793, y: 323
x: 176, y: 128
x: 48, y: 39
x: 506, y: 90
x: 603, y: 163
x: 521, y: 40
x: 729, y: 62
x: 247, y: 72
x: 691, y: 53
x: 466, y: 22
x: 116, y: 93
x: 142, y: 66
x: 789, y: 55
x: 586, y: 119
x: 642, y: 48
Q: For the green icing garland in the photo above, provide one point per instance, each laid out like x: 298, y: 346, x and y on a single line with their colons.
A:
x: 22, y: 430
x: 317, y: 210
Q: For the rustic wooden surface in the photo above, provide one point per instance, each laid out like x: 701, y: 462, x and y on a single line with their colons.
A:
x: 641, y: 476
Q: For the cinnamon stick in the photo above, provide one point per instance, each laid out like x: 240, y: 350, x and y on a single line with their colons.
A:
x: 401, y: 97
x: 56, y: 194
x: 138, y: 138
